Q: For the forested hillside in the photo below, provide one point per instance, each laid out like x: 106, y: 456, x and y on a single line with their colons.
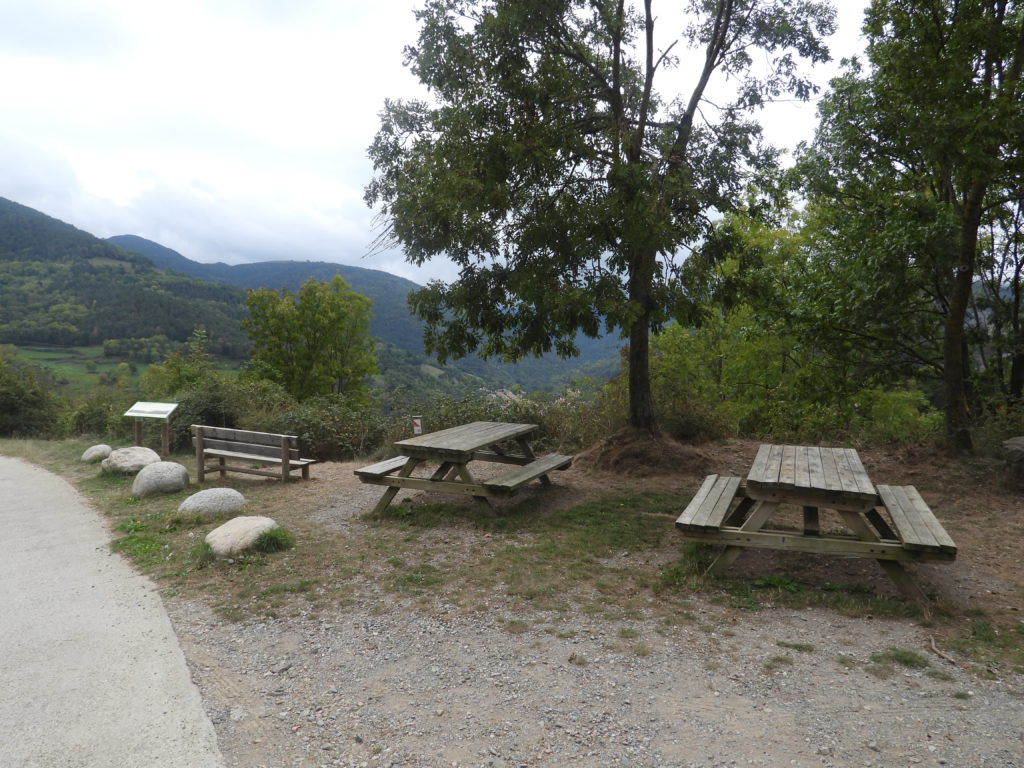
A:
x: 392, y: 321
x: 59, y: 285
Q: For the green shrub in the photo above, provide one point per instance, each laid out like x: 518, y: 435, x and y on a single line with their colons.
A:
x: 28, y: 404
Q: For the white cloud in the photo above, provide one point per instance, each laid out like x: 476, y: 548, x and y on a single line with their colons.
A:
x: 231, y: 130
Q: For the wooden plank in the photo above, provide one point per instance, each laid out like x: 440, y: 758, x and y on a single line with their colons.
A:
x: 714, y: 509
x: 759, y: 469
x: 245, y: 436
x: 802, y: 475
x: 815, y: 469
x: 915, y: 524
x: 787, y: 467
x: 847, y: 481
x: 826, y: 545
x: 864, y: 484
x: 925, y: 513
x: 385, y: 467
x: 256, y: 457
x: 686, y: 518
x: 259, y: 449
x: 520, y: 476
x: 830, y: 470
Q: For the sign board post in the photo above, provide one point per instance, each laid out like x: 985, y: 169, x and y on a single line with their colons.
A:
x: 161, y: 411
x: 417, y: 425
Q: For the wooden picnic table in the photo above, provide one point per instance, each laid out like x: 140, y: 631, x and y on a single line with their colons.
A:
x: 452, y: 450
x: 891, y: 524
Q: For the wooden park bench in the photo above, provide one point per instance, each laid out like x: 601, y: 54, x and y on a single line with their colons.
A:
x: 246, y: 449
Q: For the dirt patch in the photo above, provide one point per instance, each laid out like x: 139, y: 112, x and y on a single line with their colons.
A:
x: 639, y: 454
x: 351, y: 672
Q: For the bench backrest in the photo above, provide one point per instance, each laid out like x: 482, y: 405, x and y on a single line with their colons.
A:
x: 242, y: 440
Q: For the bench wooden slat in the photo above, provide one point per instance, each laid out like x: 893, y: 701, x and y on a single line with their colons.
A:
x: 520, y: 476
x: 382, y: 468
x: 257, y: 457
x: 710, y: 505
x: 258, y: 449
x: 916, y: 525
x: 247, y: 446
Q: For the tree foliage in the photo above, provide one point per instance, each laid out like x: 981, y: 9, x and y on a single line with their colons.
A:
x: 312, y: 342
x: 556, y: 176
x: 912, y: 157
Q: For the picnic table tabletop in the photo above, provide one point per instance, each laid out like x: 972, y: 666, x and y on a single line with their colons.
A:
x: 461, y: 442
x: 812, y: 470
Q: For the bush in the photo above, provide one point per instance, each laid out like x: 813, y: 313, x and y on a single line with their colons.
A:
x: 28, y: 405
x: 101, y: 412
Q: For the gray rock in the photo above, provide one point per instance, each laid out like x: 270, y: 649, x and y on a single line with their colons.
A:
x: 160, y: 477
x: 1014, y: 452
x: 213, y: 502
x: 238, y: 534
x: 129, y: 460
x: 96, y: 453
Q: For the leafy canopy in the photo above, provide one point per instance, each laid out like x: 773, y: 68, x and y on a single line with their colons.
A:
x: 313, y: 342
x: 555, y: 175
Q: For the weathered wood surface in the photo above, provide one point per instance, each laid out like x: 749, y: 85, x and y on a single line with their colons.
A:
x: 516, y: 478
x: 453, y: 449
x: 810, y: 475
x: 460, y: 443
x: 915, y: 523
x: 265, y: 448
x: 710, y: 505
x: 811, y: 478
x: 382, y: 468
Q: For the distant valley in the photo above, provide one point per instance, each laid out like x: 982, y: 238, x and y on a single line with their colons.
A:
x: 62, y: 286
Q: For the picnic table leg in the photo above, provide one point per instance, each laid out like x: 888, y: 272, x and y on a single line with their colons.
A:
x: 393, y: 490
x: 467, y: 477
x: 758, y: 516
x: 524, y: 445
x: 812, y: 526
x: 904, y: 582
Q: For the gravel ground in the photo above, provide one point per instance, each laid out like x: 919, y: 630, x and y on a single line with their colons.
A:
x: 384, y: 681
x: 406, y: 689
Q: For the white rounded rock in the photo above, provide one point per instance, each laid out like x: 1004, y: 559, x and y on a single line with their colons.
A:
x: 212, y: 502
x: 128, y: 461
x: 160, y: 477
x: 96, y: 453
x: 238, y: 534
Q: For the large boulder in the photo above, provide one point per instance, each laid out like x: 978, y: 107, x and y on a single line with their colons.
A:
x: 160, y: 477
x: 128, y: 461
x: 238, y: 534
x: 213, y: 502
x: 96, y: 453
x: 1014, y: 451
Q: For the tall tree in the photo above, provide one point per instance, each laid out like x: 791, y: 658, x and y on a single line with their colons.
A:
x: 551, y: 171
x: 313, y: 342
x: 922, y: 148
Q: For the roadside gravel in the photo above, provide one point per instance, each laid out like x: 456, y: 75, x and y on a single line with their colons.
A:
x: 402, y: 688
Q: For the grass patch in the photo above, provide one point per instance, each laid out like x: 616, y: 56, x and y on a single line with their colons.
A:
x: 801, y: 647
x: 775, y: 663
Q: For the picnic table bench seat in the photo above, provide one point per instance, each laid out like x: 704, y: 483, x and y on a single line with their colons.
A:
x: 915, y: 524
x: 382, y: 468
x: 514, y: 479
x: 709, y: 507
x: 244, y: 448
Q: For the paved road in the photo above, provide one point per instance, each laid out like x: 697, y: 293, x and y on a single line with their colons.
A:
x: 91, y: 673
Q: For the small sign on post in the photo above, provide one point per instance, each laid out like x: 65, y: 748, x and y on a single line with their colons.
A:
x: 417, y: 425
x: 162, y: 411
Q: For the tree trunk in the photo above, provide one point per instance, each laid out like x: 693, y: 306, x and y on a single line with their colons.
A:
x: 641, y: 402
x: 955, y: 360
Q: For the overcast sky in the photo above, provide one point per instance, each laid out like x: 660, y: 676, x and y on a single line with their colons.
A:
x: 228, y: 130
